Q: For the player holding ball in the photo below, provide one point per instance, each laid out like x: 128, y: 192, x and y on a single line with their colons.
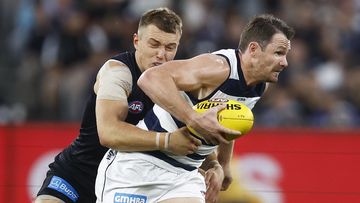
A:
x: 235, y: 116
x: 230, y: 74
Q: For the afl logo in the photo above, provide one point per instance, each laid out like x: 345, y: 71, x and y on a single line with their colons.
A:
x: 136, y: 107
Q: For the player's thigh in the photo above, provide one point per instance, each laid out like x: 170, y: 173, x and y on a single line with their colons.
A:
x: 47, y: 199
x: 183, y: 199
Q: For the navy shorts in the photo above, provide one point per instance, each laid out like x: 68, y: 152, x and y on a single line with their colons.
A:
x: 63, y: 188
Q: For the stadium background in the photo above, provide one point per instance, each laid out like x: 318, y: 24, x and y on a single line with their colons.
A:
x: 305, y: 145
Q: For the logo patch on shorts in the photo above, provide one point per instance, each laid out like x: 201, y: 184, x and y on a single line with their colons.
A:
x: 136, y: 107
x: 129, y: 198
x: 111, y: 153
x: 64, y: 187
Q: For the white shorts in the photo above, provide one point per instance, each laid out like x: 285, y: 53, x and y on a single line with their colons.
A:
x: 132, y: 177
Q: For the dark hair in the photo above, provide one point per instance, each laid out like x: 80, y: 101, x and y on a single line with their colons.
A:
x: 163, y: 18
x: 261, y: 29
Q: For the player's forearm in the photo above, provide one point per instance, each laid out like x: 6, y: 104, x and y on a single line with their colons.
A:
x: 126, y: 137
x: 115, y: 133
x: 162, y: 90
x: 225, y: 152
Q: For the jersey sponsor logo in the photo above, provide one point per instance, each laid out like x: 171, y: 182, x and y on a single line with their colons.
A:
x: 218, y: 100
x: 210, y: 105
x: 63, y: 187
x: 233, y: 106
x: 129, y: 198
x: 206, y: 105
x: 136, y: 107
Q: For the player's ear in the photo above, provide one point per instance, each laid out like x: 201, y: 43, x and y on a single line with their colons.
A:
x: 253, y: 47
x: 135, y: 40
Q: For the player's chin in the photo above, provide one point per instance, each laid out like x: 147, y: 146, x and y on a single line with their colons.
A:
x: 274, y: 78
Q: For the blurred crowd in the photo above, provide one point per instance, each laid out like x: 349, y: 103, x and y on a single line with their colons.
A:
x: 52, y: 49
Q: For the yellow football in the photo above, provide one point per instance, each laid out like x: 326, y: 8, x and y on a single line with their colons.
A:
x: 235, y: 116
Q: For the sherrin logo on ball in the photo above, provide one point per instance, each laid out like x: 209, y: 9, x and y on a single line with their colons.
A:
x: 236, y: 115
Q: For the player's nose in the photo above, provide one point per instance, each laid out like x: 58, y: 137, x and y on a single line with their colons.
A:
x: 161, y: 53
x: 284, y: 62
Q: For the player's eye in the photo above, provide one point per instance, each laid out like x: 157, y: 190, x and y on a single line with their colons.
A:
x: 279, y: 53
x: 154, y: 45
x: 170, y: 48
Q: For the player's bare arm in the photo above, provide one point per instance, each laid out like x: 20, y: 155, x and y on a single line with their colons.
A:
x: 112, y: 87
x: 224, y: 156
x: 200, y: 75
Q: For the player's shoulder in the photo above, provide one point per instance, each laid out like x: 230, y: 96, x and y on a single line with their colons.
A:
x: 225, y: 52
x: 213, y: 56
x: 114, y: 68
x: 113, y: 63
x: 229, y: 54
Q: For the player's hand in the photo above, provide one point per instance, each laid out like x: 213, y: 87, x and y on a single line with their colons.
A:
x: 182, y: 142
x: 213, y: 179
x: 207, y: 125
x: 227, y: 178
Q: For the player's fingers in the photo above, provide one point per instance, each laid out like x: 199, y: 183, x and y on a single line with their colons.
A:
x: 194, y: 148
x: 224, y: 187
x: 219, y: 107
x: 210, y: 195
x: 229, y: 131
x: 207, y: 178
x: 201, y: 171
x: 196, y: 141
x: 222, y: 139
x: 212, y: 191
x: 226, y: 183
x: 211, y: 140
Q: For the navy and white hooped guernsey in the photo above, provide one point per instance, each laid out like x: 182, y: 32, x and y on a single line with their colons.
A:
x: 233, y: 88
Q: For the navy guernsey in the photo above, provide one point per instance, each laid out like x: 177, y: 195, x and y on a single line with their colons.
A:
x: 78, y: 163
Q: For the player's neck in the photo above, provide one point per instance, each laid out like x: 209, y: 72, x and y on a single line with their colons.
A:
x: 138, y: 62
x: 246, y: 67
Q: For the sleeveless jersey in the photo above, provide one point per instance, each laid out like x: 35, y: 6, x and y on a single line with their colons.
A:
x: 234, y: 88
x: 79, y: 161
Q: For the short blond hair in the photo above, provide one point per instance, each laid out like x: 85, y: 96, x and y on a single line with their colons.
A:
x: 163, y: 18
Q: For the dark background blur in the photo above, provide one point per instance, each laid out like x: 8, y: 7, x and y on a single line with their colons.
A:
x: 52, y: 49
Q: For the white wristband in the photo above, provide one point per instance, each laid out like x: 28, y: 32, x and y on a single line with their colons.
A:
x: 166, y: 143
x: 157, y: 140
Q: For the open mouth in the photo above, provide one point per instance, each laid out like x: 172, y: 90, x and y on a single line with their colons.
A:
x: 277, y: 72
x: 156, y: 64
